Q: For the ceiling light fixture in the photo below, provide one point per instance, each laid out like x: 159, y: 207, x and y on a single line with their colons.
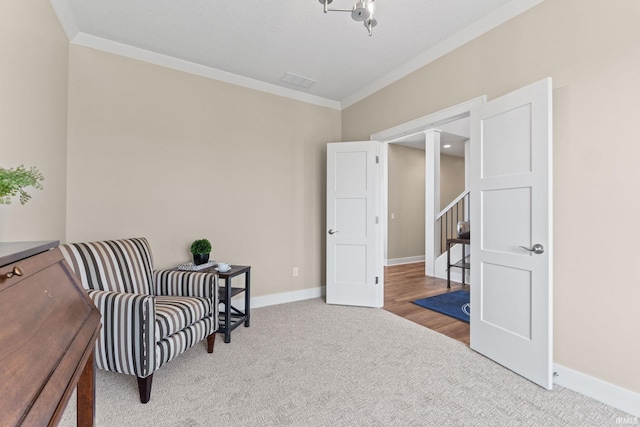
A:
x: 362, y: 11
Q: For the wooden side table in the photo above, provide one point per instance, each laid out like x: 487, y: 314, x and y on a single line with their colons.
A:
x: 232, y: 317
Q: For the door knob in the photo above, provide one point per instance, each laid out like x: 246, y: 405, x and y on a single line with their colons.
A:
x: 536, y: 249
x: 331, y: 231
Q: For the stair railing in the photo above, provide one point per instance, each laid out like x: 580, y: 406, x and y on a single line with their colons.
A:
x: 447, y: 220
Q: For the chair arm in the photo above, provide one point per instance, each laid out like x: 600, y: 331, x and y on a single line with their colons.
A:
x: 186, y: 284
x: 126, y: 343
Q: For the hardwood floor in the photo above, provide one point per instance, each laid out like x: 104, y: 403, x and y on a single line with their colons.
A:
x: 406, y: 283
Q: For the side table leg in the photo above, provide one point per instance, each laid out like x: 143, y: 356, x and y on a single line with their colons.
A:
x: 247, y: 298
x: 227, y: 310
x: 464, y: 271
x: 448, y: 265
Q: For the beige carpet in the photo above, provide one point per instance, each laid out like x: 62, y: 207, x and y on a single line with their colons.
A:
x: 311, y: 364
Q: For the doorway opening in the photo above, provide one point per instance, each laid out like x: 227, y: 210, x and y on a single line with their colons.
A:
x: 410, y: 194
x: 424, y: 131
x: 410, y: 247
x: 404, y: 274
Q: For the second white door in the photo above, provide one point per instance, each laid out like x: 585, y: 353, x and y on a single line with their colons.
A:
x: 354, y: 262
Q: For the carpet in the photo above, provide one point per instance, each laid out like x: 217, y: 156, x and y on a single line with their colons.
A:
x: 454, y: 304
x: 309, y: 364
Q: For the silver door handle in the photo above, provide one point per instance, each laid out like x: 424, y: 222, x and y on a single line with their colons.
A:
x: 332, y: 231
x: 536, y: 249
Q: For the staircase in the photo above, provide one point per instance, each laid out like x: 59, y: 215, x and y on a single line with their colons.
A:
x: 446, y: 228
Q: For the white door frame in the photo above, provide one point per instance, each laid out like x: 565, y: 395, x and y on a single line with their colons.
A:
x: 420, y: 125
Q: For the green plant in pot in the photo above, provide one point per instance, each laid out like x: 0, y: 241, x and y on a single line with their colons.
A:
x: 13, y: 182
x: 200, y: 249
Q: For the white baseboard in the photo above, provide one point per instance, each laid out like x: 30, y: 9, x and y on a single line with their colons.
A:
x: 407, y: 260
x: 281, y: 298
x: 611, y: 394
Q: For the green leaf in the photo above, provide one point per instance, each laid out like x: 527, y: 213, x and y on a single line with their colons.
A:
x: 14, y: 181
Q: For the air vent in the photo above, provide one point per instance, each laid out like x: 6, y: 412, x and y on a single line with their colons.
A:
x: 297, y: 80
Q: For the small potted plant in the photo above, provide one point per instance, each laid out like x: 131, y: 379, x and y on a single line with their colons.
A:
x: 13, y: 182
x: 200, y: 249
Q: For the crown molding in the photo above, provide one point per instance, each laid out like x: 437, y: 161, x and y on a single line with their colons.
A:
x: 128, y: 51
x: 484, y: 25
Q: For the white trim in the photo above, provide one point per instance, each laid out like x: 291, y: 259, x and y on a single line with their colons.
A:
x: 280, y: 298
x: 405, y: 260
x: 484, y: 25
x: 611, y: 394
x: 423, y: 123
x: 128, y: 51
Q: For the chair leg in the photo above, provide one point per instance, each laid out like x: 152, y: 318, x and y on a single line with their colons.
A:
x: 211, y: 339
x: 144, y: 387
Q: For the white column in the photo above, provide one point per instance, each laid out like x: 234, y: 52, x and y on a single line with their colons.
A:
x: 432, y: 199
x: 467, y: 163
x: 467, y: 171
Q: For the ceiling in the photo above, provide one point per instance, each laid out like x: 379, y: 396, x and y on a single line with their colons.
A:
x: 255, y: 42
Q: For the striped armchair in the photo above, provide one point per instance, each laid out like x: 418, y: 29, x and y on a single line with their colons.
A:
x: 148, y: 317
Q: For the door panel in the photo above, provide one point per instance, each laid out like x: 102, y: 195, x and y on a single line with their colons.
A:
x: 351, y: 171
x: 353, y: 262
x: 508, y: 142
x: 511, y: 194
x: 507, y: 219
x: 349, y: 217
x: 510, y: 285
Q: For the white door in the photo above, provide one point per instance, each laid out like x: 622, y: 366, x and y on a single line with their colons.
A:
x: 354, y: 262
x: 511, y: 265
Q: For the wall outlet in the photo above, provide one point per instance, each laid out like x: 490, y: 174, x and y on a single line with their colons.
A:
x: 295, y: 271
x: 393, y: 216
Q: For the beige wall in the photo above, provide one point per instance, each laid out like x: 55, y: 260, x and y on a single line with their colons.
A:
x: 33, y: 115
x: 591, y: 50
x: 451, y: 178
x: 174, y: 157
x: 406, y: 201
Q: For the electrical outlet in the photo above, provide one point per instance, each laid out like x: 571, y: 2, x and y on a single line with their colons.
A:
x: 295, y: 271
x: 393, y: 216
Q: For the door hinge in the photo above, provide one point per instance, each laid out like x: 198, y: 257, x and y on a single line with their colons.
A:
x: 377, y: 159
x: 377, y: 219
x: 376, y: 280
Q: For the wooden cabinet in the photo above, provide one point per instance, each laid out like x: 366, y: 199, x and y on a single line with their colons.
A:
x: 48, y: 327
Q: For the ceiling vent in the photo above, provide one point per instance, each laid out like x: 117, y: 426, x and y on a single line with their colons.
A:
x: 297, y: 80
